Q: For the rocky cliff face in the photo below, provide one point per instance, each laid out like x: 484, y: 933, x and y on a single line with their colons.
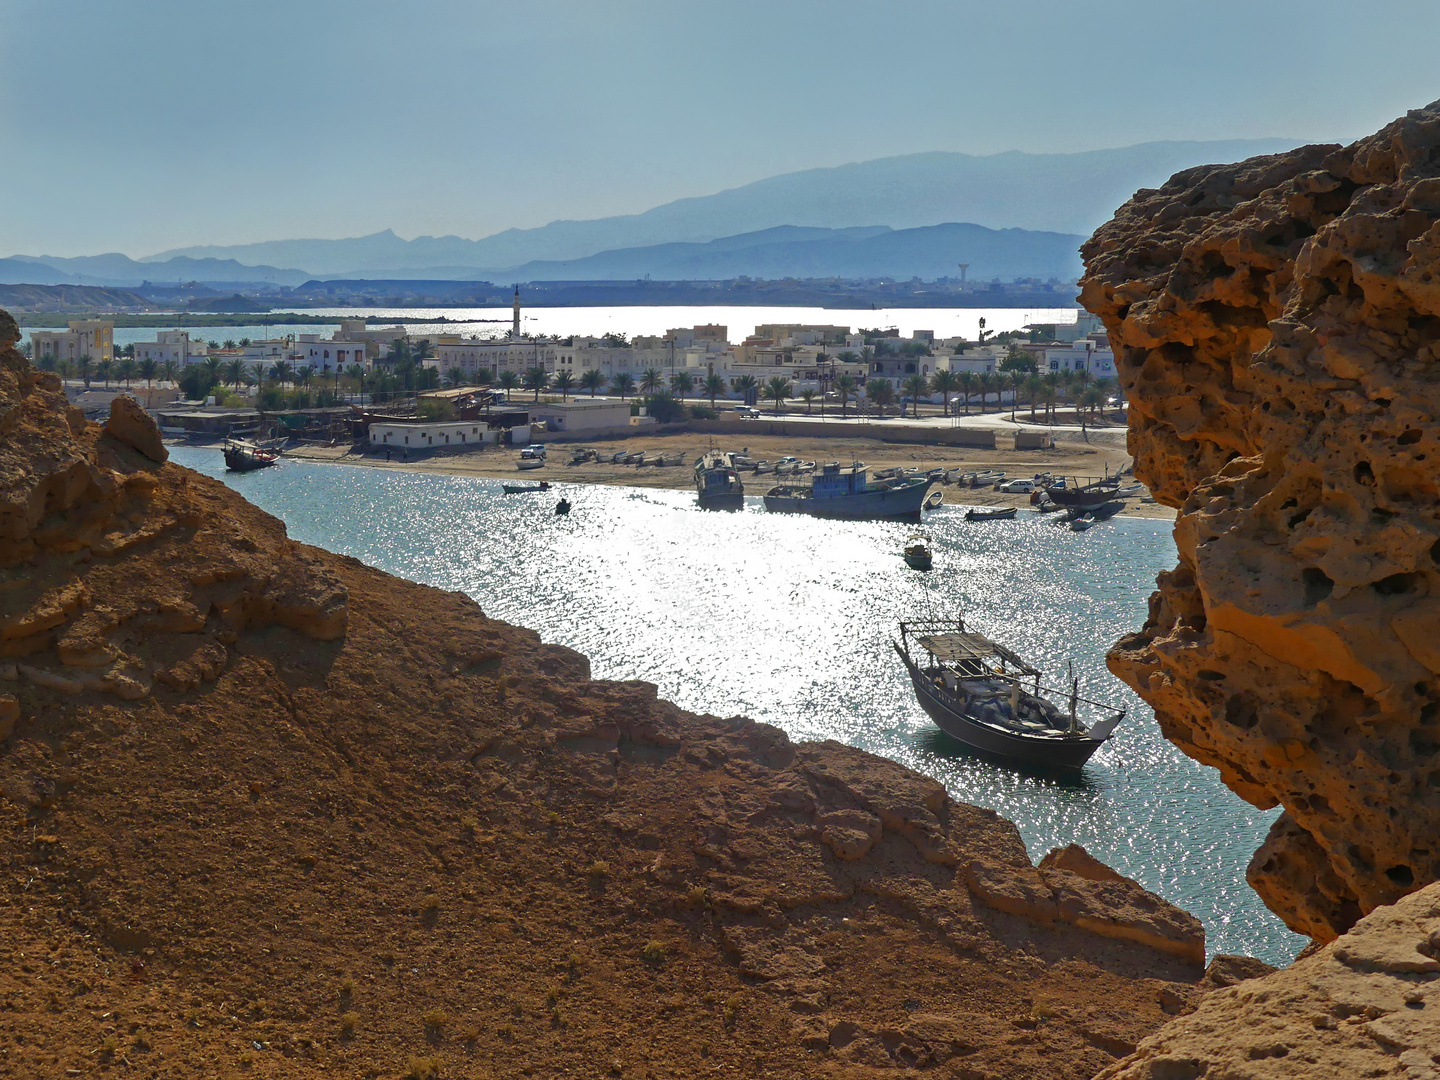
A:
x: 1365, y: 1005
x: 263, y: 808
x: 1277, y: 330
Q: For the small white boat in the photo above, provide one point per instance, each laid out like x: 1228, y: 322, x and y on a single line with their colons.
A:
x: 764, y: 467
x: 805, y: 467
x: 1080, y: 524
x: 618, y: 458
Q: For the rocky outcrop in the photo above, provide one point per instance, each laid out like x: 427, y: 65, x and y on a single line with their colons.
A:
x: 1365, y: 1005
x: 267, y: 811
x: 130, y: 424
x: 1277, y: 331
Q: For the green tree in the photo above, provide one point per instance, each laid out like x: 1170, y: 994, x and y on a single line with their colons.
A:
x: 987, y: 381
x: 749, y: 386
x: 126, y: 370
x: 713, y: 387
x: 592, y: 380
x: 966, y: 380
x: 623, y: 384
x: 1033, y: 387
x: 103, y: 370
x: 916, y: 387
x: 564, y: 381
x: 148, y: 370
x: 1050, y: 394
x: 807, y: 395
x: 212, y: 366
x: 535, y: 379
x: 234, y: 372
x: 682, y: 383
x: 280, y: 372
x: 1017, y: 359
x: 86, y: 366
x: 170, y: 371
x: 652, y: 380
x: 229, y: 343
x: 454, y: 377
x: 880, y: 393
x: 777, y: 389
x: 847, y: 386
x: 944, y: 383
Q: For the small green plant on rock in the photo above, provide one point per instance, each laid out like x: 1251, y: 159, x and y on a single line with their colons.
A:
x: 424, y: 1068
x: 653, y: 953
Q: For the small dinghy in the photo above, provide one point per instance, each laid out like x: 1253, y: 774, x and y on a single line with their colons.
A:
x: 934, y: 499
x: 1002, y: 514
x: 241, y: 456
x: 562, y: 507
x: 525, y: 489
x: 917, y: 553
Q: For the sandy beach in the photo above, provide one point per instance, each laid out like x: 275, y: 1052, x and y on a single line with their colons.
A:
x: 1069, y: 457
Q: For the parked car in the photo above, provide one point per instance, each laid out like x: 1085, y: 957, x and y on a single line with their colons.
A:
x: 1017, y: 487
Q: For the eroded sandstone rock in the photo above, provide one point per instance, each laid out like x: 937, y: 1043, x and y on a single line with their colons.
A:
x: 136, y: 428
x: 1277, y: 332
x: 1365, y: 1005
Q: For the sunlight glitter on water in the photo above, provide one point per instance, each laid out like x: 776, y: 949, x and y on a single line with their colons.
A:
x: 788, y: 619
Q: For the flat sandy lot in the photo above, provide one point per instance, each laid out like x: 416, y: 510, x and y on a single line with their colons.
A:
x: 1070, y: 458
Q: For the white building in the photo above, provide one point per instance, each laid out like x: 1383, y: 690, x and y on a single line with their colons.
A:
x: 171, y: 345
x: 597, y: 416
x: 94, y: 338
x: 326, y: 357
x: 427, y: 436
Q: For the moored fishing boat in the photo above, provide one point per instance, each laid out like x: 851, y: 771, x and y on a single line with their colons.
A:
x: 525, y: 489
x: 998, y: 514
x: 847, y: 493
x: 717, y: 484
x: 1082, y: 496
x: 988, y: 698
x: 242, y: 456
x: 917, y: 553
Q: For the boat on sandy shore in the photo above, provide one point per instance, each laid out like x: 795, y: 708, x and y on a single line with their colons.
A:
x: 242, y: 456
x: 985, y: 696
x: 1074, y: 496
x: 717, y: 484
x: 934, y: 498
x: 848, y: 493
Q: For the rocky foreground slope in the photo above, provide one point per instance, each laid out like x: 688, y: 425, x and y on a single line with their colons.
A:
x: 1277, y: 330
x: 267, y: 811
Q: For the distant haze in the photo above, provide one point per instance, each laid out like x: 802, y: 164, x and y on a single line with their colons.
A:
x: 164, y: 124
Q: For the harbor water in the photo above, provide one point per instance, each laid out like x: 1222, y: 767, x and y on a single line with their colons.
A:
x: 789, y: 619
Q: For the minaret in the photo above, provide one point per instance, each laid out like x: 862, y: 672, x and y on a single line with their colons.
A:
x: 515, y: 317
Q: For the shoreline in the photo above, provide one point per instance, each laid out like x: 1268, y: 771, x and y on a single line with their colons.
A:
x: 499, y: 463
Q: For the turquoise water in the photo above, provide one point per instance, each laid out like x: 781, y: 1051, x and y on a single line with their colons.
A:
x: 788, y: 620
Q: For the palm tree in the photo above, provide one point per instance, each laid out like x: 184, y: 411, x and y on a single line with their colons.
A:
x: 749, y: 387
x: 847, y: 386
x: 103, y: 370
x: 212, y: 369
x: 421, y: 351
x: 507, y: 380
x: 234, y: 371
x: 303, y: 375
x: 966, y: 382
x: 536, y: 379
x: 170, y: 371
x: 148, y: 370
x: 1033, y: 385
x: 1049, y: 393
x: 714, y: 386
x: 652, y: 380
x: 454, y: 377
x: 1106, y: 388
x: 592, y: 380
x: 880, y: 393
x: 280, y: 372
x: 777, y: 389
x: 682, y: 383
x: 229, y: 343
x: 807, y: 395
x: 623, y: 384
x: 944, y: 383
x: 564, y: 381
x: 126, y: 370
x: 916, y: 387
x: 85, y: 366
x: 988, y: 381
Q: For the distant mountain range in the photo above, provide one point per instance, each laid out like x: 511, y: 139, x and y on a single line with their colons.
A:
x: 869, y: 214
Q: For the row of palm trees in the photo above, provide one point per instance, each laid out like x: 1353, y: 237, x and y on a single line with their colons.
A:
x: 1077, y: 388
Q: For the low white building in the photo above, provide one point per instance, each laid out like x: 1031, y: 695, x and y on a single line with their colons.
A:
x: 596, y: 416
x: 327, y: 356
x: 422, y: 435
x: 171, y: 345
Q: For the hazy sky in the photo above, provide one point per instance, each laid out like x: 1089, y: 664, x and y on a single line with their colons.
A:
x: 140, y: 125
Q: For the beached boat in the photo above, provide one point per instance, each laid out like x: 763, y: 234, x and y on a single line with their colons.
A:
x: 241, y: 456
x: 530, y: 463
x: 988, y: 698
x: 1081, y: 523
x: 762, y: 467
x: 676, y: 457
x: 934, y: 498
x: 1004, y: 513
x: 917, y: 553
x: 1082, y: 496
x: 848, y: 493
x: 580, y: 457
x: 717, y: 484
x: 524, y: 489
x: 618, y: 458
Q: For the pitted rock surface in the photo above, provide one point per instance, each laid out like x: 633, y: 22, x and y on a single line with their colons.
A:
x: 1366, y: 1005
x: 1277, y: 333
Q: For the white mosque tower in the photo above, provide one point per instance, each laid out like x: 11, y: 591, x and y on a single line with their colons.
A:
x: 515, y: 317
